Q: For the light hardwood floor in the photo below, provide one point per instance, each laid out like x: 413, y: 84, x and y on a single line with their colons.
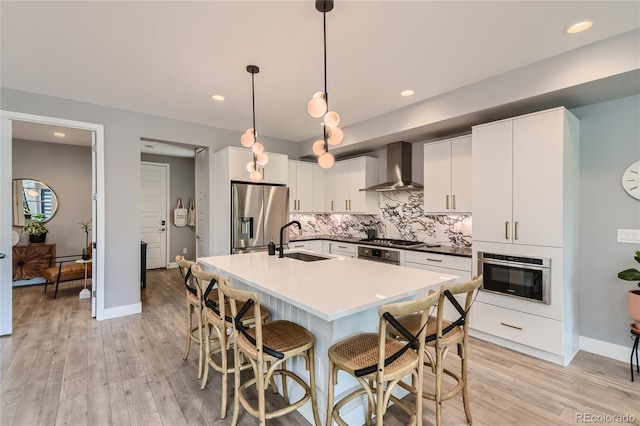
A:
x: 62, y: 367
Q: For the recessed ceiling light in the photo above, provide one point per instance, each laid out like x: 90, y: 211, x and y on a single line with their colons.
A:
x: 406, y: 93
x: 217, y: 97
x: 579, y: 26
x: 59, y: 134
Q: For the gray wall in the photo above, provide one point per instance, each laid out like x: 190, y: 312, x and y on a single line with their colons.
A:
x: 122, y: 132
x: 609, y: 143
x: 67, y: 170
x: 181, y: 185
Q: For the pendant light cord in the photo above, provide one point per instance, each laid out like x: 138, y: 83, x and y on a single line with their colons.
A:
x: 253, y: 105
x: 326, y: 95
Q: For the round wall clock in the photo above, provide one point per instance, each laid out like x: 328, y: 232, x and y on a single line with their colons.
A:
x: 631, y: 180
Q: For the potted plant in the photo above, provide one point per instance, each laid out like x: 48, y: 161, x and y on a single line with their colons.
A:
x: 86, y: 227
x: 633, y: 274
x: 36, y: 230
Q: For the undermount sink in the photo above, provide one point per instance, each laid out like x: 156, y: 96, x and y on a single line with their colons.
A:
x: 305, y: 257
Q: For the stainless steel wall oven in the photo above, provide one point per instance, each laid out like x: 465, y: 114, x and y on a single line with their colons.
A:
x: 519, y: 276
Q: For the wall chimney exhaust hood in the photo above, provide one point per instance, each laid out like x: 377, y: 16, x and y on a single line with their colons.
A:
x: 398, y: 170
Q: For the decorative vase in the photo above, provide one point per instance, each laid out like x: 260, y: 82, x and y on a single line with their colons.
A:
x: 38, y: 238
x: 634, y: 306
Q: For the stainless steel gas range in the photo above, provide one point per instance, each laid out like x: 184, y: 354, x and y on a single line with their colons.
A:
x: 383, y: 249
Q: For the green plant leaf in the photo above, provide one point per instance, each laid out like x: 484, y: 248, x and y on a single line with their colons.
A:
x: 629, y: 275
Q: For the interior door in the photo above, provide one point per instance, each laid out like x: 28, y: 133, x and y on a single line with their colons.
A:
x: 5, y: 228
x: 202, y: 203
x: 153, y: 212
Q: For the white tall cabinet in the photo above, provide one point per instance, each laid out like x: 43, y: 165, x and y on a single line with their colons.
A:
x: 521, y: 169
x: 343, y: 184
x: 525, y: 202
x: 447, y: 176
x: 230, y: 164
x: 301, y: 186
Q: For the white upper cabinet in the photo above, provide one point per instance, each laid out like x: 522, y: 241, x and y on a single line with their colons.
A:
x: 275, y: 171
x: 301, y: 186
x: 447, y: 176
x: 343, y: 183
x: 525, y: 178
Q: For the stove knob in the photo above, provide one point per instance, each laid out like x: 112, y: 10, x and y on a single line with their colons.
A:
x: 366, y: 251
x: 386, y: 254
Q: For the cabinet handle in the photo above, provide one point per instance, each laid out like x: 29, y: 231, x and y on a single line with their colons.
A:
x: 344, y: 247
x: 506, y: 230
x: 515, y: 232
x: 511, y: 326
x: 298, y: 246
x: 350, y: 205
x: 454, y: 201
x: 434, y: 260
x: 262, y: 169
x: 446, y: 202
x: 331, y: 205
x: 346, y: 204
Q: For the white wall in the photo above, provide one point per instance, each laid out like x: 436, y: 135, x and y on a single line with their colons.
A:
x: 609, y: 143
x: 122, y: 132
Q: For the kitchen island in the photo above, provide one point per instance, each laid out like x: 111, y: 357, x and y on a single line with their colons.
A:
x: 334, y: 298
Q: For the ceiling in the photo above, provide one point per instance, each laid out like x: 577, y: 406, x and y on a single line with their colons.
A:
x: 168, y: 58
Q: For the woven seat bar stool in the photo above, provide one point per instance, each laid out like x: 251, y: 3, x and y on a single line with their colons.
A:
x: 270, y: 344
x: 379, y: 363
x: 217, y: 328
x: 195, y: 333
x: 442, y: 335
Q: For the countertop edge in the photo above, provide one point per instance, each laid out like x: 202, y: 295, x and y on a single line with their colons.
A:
x: 446, y: 250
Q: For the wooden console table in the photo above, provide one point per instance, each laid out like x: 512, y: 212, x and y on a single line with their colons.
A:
x: 29, y: 261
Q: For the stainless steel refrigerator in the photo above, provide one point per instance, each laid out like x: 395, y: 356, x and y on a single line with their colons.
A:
x: 257, y: 214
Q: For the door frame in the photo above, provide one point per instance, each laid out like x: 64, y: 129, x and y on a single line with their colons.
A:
x: 98, y: 172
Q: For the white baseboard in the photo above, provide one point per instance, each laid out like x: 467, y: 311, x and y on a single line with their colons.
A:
x: 172, y: 265
x: 122, y: 311
x: 600, y: 347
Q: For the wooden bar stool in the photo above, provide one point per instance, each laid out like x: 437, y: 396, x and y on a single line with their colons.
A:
x: 195, y: 333
x: 379, y: 362
x: 442, y: 335
x: 217, y: 327
x: 272, y: 344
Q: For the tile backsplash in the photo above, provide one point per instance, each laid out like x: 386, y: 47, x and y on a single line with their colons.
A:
x: 401, y: 217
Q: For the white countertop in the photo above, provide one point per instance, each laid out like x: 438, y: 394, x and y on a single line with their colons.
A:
x: 330, y: 289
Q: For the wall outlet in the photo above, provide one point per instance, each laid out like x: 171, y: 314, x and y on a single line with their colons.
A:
x: 184, y: 250
x: 629, y: 236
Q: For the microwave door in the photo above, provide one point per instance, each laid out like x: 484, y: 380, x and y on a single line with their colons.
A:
x: 246, y: 213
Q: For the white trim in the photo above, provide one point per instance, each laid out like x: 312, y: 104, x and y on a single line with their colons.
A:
x: 600, y: 347
x: 172, y: 265
x: 122, y: 311
x: 99, y: 172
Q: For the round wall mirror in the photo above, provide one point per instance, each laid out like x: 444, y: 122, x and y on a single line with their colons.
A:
x: 32, y: 200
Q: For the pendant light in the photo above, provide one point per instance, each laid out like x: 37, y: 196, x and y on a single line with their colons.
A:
x: 318, y: 106
x: 249, y: 139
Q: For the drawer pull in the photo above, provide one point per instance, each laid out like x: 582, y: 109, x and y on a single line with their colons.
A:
x: 434, y: 260
x: 344, y: 247
x: 299, y: 246
x: 511, y: 326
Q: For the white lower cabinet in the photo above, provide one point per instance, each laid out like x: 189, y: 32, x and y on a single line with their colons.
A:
x: 452, y: 265
x: 315, y: 245
x: 299, y: 245
x: 527, y: 329
x: 343, y: 249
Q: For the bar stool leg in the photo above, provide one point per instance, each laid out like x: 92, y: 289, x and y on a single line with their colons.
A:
x: 312, y: 385
x: 189, y: 324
